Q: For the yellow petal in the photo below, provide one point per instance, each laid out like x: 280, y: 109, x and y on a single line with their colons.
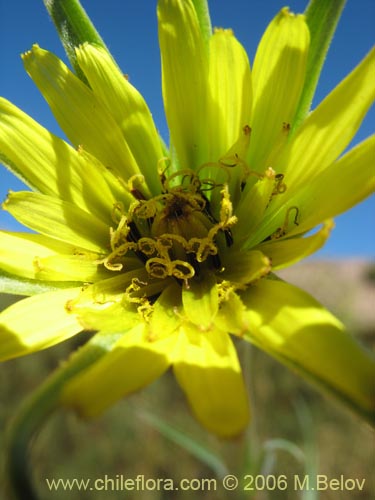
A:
x: 127, y: 107
x: 330, y: 127
x: 107, y: 304
x: 18, y: 252
x: 81, y: 267
x: 344, y: 184
x: 37, y: 322
x: 132, y: 363
x: 231, y: 316
x: 80, y: 114
x: 230, y: 93
x: 290, y: 325
x: 341, y: 186
x: 244, y: 267
x: 235, y: 170
x: 105, y: 292
x: 50, y: 165
x: 207, y: 368
x: 166, y: 316
x: 278, y: 77
x: 38, y: 257
x: 251, y: 208
x: 283, y: 253
x: 59, y: 220
x: 106, y: 318
x: 185, y: 76
x: 200, y: 300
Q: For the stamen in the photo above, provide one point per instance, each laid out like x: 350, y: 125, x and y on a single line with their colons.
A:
x: 135, y: 191
x: 281, y: 231
x: 180, y: 232
x: 163, y: 170
x: 226, y: 209
x: 144, y: 306
x: 280, y: 186
x: 182, y: 270
x: 147, y: 246
x: 202, y: 248
x: 145, y: 209
x: 166, y: 241
x: 228, y: 237
x: 185, y: 173
x: 117, y: 252
x: 210, y: 183
x: 158, y: 268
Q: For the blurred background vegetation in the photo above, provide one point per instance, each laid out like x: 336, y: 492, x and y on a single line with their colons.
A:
x: 295, y: 430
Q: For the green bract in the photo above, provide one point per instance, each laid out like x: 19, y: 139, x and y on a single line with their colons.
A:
x: 176, y: 252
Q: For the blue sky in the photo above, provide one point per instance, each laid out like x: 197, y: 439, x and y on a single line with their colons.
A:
x: 129, y: 28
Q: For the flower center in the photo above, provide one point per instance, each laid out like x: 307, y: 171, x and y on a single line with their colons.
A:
x: 174, y: 234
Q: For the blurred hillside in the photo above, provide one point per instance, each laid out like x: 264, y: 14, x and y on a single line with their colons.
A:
x: 287, y: 413
x: 345, y: 287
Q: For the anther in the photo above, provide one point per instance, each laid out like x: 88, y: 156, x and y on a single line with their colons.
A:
x: 136, y: 192
x: 280, y: 186
x: 281, y: 231
x: 228, y: 237
x: 162, y: 171
x: 157, y: 268
x: 182, y: 270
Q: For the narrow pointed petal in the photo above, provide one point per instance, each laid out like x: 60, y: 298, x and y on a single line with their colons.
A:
x: 107, y: 318
x: 341, y: 186
x: 245, y: 267
x: 133, y: 363
x: 38, y: 257
x: 18, y: 252
x: 90, y: 125
x: 230, y: 91
x: 36, y: 323
x: 290, y: 325
x: 278, y: 76
x: 99, y: 182
x: 59, y: 220
x: 231, y: 316
x: 103, y: 293
x: 184, y: 78
x: 166, y: 316
x: 96, y: 303
x: 283, y: 253
x: 328, y: 130
x: 50, y: 165
x: 252, y: 206
x: 15, y: 285
x: 207, y: 368
x: 201, y: 300
x: 81, y: 267
x: 127, y: 107
x: 235, y: 170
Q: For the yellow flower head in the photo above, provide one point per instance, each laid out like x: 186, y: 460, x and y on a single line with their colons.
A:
x: 167, y: 252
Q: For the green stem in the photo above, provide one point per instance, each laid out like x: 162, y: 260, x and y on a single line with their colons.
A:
x: 197, y: 449
x: 322, y: 18
x: 252, y: 446
x: 25, y: 425
x: 74, y: 27
x: 37, y: 409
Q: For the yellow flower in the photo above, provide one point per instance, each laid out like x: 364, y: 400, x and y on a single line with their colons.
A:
x: 166, y: 252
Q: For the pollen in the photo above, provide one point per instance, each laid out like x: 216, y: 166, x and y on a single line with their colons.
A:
x: 174, y: 234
